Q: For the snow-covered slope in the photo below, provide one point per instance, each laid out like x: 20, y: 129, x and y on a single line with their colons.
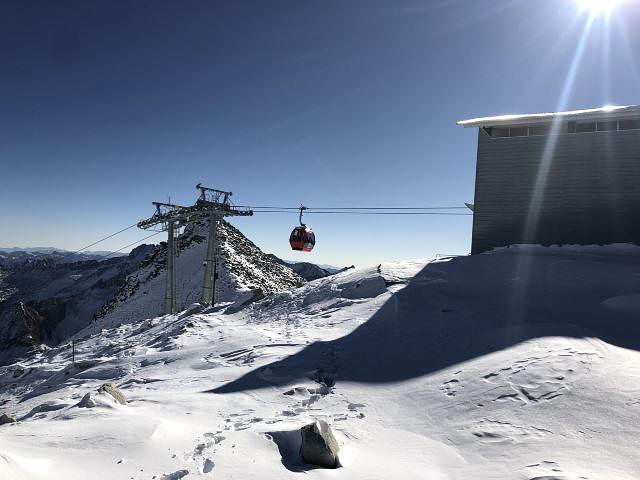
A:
x: 518, y: 364
x: 244, y: 273
x: 45, y: 301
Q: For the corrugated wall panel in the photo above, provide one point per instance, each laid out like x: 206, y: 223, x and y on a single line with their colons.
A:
x: 589, y: 195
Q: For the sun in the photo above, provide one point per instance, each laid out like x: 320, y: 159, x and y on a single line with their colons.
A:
x: 598, y: 7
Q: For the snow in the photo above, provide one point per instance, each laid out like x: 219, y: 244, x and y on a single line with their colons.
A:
x: 591, y: 113
x: 61, y: 298
x: 522, y: 363
x: 242, y: 272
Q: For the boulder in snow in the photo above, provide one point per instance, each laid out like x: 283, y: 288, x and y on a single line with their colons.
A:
x: 87, y: 401
x: 175, y: 475
x: 115, y: 392
x: 4, y: 418
x: 319, y: 446
x: 106, y: 396
x: 192, y: 310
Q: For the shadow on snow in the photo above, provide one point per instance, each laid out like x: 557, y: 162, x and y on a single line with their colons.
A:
x: 454, y: 311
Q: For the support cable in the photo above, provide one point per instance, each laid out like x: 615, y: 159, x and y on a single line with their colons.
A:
x: 99, y: 241
x: 319, y: 210
x: 344, y: 212
x: 254, y: 207
x: 131, y: 244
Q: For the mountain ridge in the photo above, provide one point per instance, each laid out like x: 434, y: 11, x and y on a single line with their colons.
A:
x: 45, y: 302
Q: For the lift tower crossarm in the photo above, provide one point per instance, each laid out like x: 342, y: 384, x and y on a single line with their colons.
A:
x: 169, y: 217
x: 166, y: 212
x: 212, y: 205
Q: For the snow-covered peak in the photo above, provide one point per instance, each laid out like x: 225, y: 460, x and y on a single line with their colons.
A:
x: 244, y: 272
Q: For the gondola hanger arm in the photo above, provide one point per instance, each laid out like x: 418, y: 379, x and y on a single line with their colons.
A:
x: 302, y: 209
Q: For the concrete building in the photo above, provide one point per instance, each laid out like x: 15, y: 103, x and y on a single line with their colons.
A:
x: 557, y: 178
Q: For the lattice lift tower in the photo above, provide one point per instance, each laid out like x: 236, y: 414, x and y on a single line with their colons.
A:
x: 212, y: 205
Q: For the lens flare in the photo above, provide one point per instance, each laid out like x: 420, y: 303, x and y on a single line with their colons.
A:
x: 598, y: 7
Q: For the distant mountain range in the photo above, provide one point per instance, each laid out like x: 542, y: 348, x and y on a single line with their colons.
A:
x: 15, y: 256
x: 331, y: 269
x: 308, y: 271
x: 57, y: 250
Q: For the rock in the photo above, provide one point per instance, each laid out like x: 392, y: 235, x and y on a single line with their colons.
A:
x: 115, y: 392
x: 87, y: 401
x: 175, y: 475
x: 319, y: 446
x: 4, y: 418
x: 193, y: 309
x: 84, y: 364
x: 208, y: 465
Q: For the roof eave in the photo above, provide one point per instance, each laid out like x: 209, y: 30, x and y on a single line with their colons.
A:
x: 605, y: 113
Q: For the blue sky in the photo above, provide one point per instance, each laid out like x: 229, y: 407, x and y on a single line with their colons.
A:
x: 108, y: 106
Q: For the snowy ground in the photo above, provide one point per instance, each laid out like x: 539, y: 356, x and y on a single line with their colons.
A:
x: 520, y: 364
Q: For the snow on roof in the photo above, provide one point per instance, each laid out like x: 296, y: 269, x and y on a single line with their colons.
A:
x: 608, y: 111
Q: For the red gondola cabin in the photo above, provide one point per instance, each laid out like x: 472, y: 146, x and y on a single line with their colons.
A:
x: 302, y: 239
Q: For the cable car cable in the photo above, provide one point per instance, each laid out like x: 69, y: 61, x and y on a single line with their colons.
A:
x: 386, y: 208
x: 319, y: 210
x: 131, y: 244
x: 101, y: 240
x: 369, y: 213
x: 392, y: 213
x: 254, y: 207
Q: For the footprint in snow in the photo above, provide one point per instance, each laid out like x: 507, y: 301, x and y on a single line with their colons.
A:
x: 451, y: 387
x: 355, y: 406
x: 217, y: 438
x: 547, y: 470
x: 540, y: 378
x: 494, y: 431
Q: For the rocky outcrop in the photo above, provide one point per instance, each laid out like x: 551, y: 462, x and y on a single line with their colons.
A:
x: 105, y: 396
x: 251, y: 266
x: 308, y: 271
x: 244, y: 274
x: 115, y: 392
x: 319, y: 446
x: 33, y: 322
x: 4, y: 418
x: 43, y: 302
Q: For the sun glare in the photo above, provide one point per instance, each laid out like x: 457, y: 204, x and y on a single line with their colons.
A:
x: 598, y: 7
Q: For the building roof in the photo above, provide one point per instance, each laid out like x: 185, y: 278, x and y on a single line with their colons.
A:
x: 606, y: 112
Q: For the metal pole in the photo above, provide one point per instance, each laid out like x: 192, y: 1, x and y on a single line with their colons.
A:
x: 209, y: 264
x: 168, y: 296
x: 215, y: 276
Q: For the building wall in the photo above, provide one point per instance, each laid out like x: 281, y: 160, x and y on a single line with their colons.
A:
x: 591, y: 194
